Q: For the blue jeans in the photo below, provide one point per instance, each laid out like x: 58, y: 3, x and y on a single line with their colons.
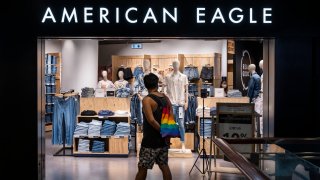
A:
x: 136, y: 109
x: 193, y: 89
x: 190, y: 114
x: 192, y: 73
x: 178, y: 120
x: 64, y: 110
x: 207, y: 73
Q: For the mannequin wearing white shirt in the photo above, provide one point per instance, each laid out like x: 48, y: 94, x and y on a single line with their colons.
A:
x: 105, y: 83
x: 121, y: 83
x: 176, y: 88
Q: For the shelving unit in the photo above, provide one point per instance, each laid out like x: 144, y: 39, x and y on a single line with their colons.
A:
x: 230, y: 66
x: 114, y: 145
x: 52, y: 84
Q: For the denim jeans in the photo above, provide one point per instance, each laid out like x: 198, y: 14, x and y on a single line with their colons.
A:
x: 98, y: 146
x: 206, y: 130
x: 81, y: 129
x: 193, y: 89
x: 65, y: 110
x: 136, y: 110
x: 48, y: 118
x: 190, y: 114
x: 178, y: 120
x: 83, y: 145
x: 123, y: 129
x: 207, y: 73
x: 108, y: 128
x: 51, y: 69
x: 192, y: 73
x: 49, y: 98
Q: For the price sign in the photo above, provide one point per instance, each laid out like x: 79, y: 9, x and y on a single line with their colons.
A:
x: 235, y: 120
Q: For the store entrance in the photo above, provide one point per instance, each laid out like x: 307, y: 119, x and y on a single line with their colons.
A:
x: 88, y: 90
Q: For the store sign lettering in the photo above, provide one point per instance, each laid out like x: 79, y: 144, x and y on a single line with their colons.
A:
x: 234, y: 15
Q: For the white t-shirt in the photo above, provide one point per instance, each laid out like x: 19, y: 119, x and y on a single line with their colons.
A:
x: 105, y: 84
x: 176, y: 87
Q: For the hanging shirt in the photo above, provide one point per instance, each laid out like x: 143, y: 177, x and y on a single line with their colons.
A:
x: 176, y: 88
x: 262, y: 82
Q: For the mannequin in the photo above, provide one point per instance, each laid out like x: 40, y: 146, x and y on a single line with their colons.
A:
x: 105, y: 83
x: 176, y: 85
x: 121, y: 83
x: 254, y: 90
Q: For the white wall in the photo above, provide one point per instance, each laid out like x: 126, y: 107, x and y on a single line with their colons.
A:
x: 79, y: 62
x: 52, y: 46
x: 165, y: 47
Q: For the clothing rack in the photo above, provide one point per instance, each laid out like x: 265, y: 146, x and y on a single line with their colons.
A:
x: 65, y: 151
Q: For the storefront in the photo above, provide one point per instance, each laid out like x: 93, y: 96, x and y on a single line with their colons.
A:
x: 89, y: 37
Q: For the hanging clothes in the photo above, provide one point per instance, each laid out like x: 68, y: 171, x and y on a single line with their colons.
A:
x: 65, y: 111
x: 190, y: 115
x: 136, y: 109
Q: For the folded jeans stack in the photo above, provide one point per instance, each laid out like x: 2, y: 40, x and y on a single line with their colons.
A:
x: 81, y: 129
x: 123, y: 129
x: 234, y: 93
x: 98, y: 146
x: 87, y: 92
x: 105, y: 113
x: 83, y: 145
x: 123, y: 92
x: 200, y: 112
x: 108, y: 128
x: 206, y: 130
x: 94, y: 128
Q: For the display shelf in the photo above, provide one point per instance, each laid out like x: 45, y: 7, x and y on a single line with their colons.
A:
x: 230, y: 61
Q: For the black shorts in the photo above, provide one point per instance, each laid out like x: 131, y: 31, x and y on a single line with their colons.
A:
x: 149, y: 156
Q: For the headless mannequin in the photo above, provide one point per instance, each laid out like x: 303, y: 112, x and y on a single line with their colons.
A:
x: 176, y: 85
x: 105, y: 83
x: 121, y: 83
x: 256, y: 92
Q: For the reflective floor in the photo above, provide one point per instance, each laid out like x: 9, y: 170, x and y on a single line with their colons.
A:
x: 96, y: 168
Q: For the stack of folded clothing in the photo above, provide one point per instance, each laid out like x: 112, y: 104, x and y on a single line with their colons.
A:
x: 105, y: 113
x: 108, y: 128
x: 83, y: 145
x: 213, y: 111
x: 81, y: 129
x: 123, y: 129
x: 88, y: 113
x: 234, y: 93
x: 200, y: 111
x: 94, y: 128
x: 206, y: 130
x: 98, y: 146
x: 87, y: 92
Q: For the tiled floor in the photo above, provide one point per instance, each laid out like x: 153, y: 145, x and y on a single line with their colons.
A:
x: 96, y: 168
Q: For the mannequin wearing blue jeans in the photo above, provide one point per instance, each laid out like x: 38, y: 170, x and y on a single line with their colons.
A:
x: 176, y: 88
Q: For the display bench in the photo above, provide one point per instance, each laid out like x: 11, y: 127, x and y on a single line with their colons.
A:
x: 212, y: 102
x: 114, y: 145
